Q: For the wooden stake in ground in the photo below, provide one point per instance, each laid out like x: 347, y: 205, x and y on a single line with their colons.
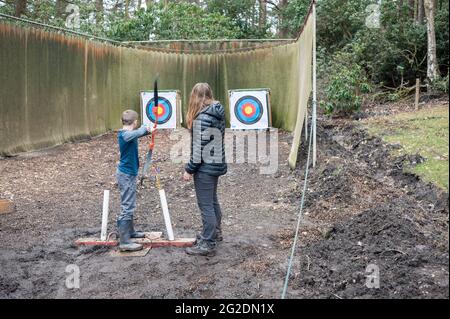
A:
x: 416, y: 102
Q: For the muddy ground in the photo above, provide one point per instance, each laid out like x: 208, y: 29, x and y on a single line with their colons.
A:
x: 360, y: 210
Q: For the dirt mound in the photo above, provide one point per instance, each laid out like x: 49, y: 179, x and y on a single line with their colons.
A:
x: 370, y: 212
x: 409, y: 262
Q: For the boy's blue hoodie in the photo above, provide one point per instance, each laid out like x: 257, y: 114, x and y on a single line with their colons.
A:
x: 128, y: 145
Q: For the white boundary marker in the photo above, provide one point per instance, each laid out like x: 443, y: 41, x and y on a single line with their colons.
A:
x: 165, y: 209
x: 105, y: 214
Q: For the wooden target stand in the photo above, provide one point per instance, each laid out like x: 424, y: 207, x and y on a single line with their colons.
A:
x: 152, y: 239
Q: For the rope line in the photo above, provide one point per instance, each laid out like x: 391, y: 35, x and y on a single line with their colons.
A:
x: 139, y: 44
x: 41, y: 24
x: 302, y: 202
x: 210, y: 51
x: 208, y: 40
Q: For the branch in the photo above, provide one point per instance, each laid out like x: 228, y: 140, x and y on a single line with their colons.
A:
x: 273, y: 4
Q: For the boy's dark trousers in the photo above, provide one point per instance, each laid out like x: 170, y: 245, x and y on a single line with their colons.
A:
x: 206, y: 191
x: 127, y: 188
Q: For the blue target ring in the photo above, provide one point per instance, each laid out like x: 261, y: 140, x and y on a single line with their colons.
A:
x: 164, y: 109
x: 248, y: 110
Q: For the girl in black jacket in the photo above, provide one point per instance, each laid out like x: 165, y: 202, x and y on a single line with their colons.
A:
x: 206, y: 120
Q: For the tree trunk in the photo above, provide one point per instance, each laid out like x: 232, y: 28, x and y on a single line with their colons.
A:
x: 432, y: 63
x: 20, y: 7
x: 262, y: 15
x: 420, y: 12
x: 59, y: 8
x: 413, y: 9
x: 127, y: 9
x: 99, y: 11
x: 283, y: 31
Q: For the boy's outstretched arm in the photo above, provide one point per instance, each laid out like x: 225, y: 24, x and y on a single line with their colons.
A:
x: 130, y: 135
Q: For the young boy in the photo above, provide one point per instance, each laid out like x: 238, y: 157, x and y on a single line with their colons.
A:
x: 127, y: 172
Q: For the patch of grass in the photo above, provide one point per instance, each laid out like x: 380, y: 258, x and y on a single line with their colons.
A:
x: 423, y: 132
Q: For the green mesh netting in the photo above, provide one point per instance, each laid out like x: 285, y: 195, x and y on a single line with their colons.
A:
x: 56, y: 88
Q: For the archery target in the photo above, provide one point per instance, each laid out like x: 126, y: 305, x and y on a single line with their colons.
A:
x: 162, y: 112
x: 249, y: 109
x: 166, y: 109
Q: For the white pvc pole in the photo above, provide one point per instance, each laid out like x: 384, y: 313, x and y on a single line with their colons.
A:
x: 165, y: 208
x: 314, y: 88
x: 306, y: 125
x: 105, y: 214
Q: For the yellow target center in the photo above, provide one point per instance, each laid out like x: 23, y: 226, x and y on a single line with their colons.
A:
x: 248, y: 110
x: 159, y: 110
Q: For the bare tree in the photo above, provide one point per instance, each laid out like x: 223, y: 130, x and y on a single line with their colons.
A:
x: 432, y: 63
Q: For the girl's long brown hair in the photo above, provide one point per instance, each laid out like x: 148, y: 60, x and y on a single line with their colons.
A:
x: 201, y: 96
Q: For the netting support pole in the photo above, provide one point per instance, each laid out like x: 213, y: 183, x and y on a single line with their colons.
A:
x: 314, y: 88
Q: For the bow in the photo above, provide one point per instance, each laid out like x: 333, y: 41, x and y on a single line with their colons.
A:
x: 151, y: 145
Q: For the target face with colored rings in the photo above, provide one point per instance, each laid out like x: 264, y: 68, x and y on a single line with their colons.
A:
x: 248, y: 110
x: 164, y: 110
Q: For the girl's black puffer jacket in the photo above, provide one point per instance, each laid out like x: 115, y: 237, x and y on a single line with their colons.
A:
x: 207, y: 145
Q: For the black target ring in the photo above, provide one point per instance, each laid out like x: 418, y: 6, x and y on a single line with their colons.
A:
x: 248, y: 110
x: 166, y: 108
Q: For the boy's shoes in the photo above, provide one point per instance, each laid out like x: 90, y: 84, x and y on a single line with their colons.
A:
x: 202, y: 248
x: 125, y: 244
x: 135, y: 234
x: 218, y: 238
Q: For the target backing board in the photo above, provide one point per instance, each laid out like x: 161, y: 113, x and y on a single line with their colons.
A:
x: 249, y: 109
x: 169, y: 109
